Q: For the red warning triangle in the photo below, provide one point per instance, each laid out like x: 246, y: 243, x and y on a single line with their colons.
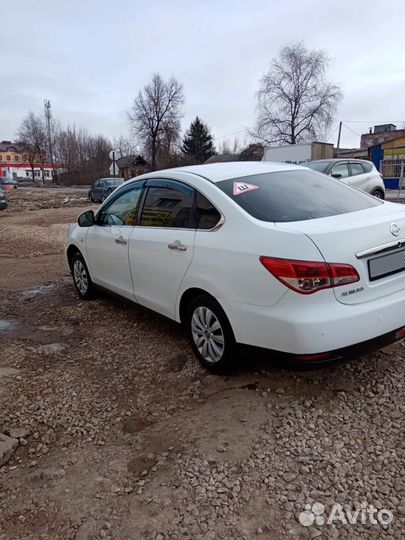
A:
x: 242, y: 187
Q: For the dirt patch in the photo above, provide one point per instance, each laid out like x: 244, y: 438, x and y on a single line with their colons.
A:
x: 130, y: 438
x: 31, y: 249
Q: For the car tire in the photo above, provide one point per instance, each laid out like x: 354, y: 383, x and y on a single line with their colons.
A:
x: 210, y: 334
x: 378, y: 194
x: 81, y: 277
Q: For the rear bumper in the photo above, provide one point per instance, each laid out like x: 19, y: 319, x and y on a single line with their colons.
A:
x: 302, y: 325
x: 353, y: 350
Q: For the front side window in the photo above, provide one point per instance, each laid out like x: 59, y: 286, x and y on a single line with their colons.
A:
x: 169, y: 204
x: 294, y: 196
x: 123, y: 209
x: 341, y: 169
x: 356, y: 169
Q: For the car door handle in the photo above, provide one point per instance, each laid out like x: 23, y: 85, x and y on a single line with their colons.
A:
x: 177, y: 245
x: 120, y: 240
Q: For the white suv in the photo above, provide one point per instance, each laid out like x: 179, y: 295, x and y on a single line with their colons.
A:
x: 358, y: 173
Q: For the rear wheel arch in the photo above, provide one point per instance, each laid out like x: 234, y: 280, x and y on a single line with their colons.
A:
x: 189, y: 295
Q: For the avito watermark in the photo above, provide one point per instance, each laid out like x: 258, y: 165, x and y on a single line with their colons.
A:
x: 317, y: 514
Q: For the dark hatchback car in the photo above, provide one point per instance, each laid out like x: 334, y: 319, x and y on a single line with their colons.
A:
x: 102, y: 188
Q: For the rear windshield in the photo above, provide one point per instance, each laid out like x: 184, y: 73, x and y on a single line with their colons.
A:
x: 114, y: 182
x: 294, y: 196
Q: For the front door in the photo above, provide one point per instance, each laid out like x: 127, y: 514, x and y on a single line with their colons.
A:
x: 358, y: 178
x: 107, y: 242
x: 161, y: 247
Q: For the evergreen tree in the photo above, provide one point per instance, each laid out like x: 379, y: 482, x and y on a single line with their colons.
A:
x: 197, y: 142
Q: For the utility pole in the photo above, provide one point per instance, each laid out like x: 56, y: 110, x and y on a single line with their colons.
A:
x: 48, y: 116
x: 340, y: 131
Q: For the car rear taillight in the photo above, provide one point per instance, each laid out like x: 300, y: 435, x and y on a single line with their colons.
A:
x: 307, y: 277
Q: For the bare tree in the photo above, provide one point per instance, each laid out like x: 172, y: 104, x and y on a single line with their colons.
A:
x: 83, y: 156
x: 32, y: 133
x: 155, y: 115
x: 295, y: 102
x: 124, y: 146
x: 227, y: 147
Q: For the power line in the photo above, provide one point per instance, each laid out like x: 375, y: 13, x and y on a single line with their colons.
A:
x: 352, y: 130
x: 229, y: 134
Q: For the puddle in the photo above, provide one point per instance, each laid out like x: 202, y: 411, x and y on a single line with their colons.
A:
x: 6, y: 326
x: 40, y: 289
x: 249, y: 386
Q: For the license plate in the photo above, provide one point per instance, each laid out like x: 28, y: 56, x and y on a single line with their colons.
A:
x: 386, y: 265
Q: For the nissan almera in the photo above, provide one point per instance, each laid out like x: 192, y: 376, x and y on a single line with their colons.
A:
x: 264, y: 254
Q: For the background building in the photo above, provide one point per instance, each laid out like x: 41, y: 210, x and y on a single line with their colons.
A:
x: 381, y: 134
x: 14, y: 163
x: 389, y: 158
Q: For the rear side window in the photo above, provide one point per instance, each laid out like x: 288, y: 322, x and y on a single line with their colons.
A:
x: 206, y: 213
x: 367, y: 166
x: 169, y: 207
x: 294, y: 196
x: 356, y: 168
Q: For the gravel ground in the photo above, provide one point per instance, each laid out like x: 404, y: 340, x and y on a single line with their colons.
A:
x: 123, y: 435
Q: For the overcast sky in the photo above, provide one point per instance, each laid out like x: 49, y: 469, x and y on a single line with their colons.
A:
x: 91, y: 57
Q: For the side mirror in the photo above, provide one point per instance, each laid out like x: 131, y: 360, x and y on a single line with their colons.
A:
x: 86, y: 219
x: 336, y: 175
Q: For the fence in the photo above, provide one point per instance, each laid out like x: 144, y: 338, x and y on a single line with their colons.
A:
x: 391, y: 168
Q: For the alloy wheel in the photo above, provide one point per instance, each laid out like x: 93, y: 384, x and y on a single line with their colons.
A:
x: 80, y: 276
x: 208, y: 334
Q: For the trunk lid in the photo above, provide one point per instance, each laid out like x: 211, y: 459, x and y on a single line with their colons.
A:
x: 370, y: 241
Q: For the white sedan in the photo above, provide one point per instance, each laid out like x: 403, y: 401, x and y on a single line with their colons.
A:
x: 264, y: 254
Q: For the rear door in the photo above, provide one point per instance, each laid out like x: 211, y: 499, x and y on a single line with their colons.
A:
x: 161, y: 247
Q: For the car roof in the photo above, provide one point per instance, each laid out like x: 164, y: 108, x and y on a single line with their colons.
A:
x: 216, y: 172
x: 338, y: 159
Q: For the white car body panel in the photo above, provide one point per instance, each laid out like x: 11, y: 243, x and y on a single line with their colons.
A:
x: 225, y: 263
x: 157, y: 270
x: 339, y: 238
x: 107, y: 258
x: 367, y: 182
